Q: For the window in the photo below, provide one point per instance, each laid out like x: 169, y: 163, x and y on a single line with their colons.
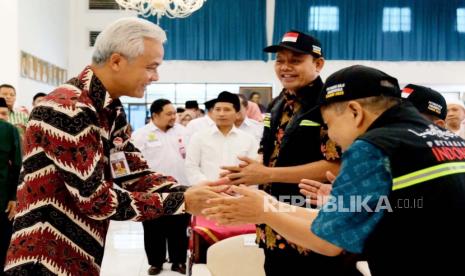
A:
x: 461, y: 20
x: 397, y: 19
x: 323, y: 18
x: 92, y: 37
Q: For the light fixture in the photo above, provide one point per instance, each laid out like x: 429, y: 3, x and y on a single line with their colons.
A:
x: 159, y: 8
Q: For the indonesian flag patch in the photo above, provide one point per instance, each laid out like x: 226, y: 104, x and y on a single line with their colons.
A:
x: 406, y: 92
x: 292, y: 37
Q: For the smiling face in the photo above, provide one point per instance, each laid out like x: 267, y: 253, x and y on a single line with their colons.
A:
x: 166, y: 118
x: 133, y: 75
x: 346, y: 121
x: 296, y: 70
x: 342, y: 126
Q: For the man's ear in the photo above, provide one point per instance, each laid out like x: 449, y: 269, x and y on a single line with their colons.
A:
x: 116, y: 61
x: 440, y: 123
x: 319, y: 62
x: 357, y: 111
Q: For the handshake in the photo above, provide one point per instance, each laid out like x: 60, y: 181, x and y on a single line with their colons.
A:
x: 226, y: 204
x: 230, y: 200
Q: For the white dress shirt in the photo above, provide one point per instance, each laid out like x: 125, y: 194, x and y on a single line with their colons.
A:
x: 209, y: 149
x: 164, y: 151
x: 198, y: 124
x: 252, y: 127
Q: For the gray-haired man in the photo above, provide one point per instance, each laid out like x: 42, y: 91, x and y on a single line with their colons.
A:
x: 80, y: 170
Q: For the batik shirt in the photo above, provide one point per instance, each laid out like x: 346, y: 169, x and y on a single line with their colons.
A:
x: 67, y: 195
x: 266, y: 237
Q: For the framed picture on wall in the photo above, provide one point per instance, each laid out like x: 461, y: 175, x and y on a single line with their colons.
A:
x: 34, y: 68
x: 262, y: 95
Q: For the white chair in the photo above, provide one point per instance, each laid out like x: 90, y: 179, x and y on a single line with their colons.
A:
x: 363, y: 267
x: 233, y: 256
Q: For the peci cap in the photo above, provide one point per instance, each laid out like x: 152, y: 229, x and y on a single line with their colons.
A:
x: 298, y: 42
x: 426, y: 100
x: 191, y: 104
x: 228, y: 97
x: 456, y: 102
x: 209, y: 104
x: 356, y: 82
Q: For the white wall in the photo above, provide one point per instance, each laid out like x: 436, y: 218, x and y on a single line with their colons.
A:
x: 43, y: 32
x: 437, y: 74
x: 81, y: 22
x: 9, y: 54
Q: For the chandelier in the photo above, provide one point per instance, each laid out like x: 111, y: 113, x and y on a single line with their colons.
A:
x: 159, y: 8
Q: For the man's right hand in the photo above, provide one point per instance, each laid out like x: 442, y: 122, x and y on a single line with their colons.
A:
x: 195, y: 198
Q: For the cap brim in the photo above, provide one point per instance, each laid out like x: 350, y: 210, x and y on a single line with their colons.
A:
x: 276, y: 48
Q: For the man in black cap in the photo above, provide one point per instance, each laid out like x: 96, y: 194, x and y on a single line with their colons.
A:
x: 430, y: 103
x: 220, y: 144
x: 194, y: 107
x: 202, y: 122
x: 294, y: 146
x: 399, y: 196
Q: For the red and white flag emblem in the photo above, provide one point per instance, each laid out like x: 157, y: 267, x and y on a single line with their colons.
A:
x: 406, y: 92
x: 292, y: 37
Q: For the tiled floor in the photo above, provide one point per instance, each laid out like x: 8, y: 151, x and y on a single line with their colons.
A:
x: 124, y: 252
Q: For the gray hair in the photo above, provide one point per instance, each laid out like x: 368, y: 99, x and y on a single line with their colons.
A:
x: 125, y: 36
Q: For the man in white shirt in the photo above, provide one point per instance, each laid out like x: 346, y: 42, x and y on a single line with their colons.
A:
x: 202, y: 122
x: 162, y: 144
x: 248, y: 125
x: 221, y: 144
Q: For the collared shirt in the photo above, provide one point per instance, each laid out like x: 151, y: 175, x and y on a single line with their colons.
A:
x: 19, y: 120
x: 67, y: 194
x: 209, y: 149
x: 198, y: 124
x: 252, y: 127
x: 164, y: 151
x: 294, y: 135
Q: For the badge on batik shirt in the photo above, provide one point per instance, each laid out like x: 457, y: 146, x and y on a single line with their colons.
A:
x: 119, y: 164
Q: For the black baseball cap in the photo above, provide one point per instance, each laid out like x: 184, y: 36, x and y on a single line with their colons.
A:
x: 356, y: 82
x: 228, y: 97
x: 426, y: 100
x: 298, y: 42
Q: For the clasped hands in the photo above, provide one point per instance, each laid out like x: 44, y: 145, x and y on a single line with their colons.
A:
x: 229, y: 201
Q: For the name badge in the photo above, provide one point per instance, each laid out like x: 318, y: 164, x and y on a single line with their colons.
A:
x: 119, y: 164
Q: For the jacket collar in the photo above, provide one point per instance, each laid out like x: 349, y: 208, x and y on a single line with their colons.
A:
x: 309, y: 94
x: 400, y: 113
x: 88, y: 82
